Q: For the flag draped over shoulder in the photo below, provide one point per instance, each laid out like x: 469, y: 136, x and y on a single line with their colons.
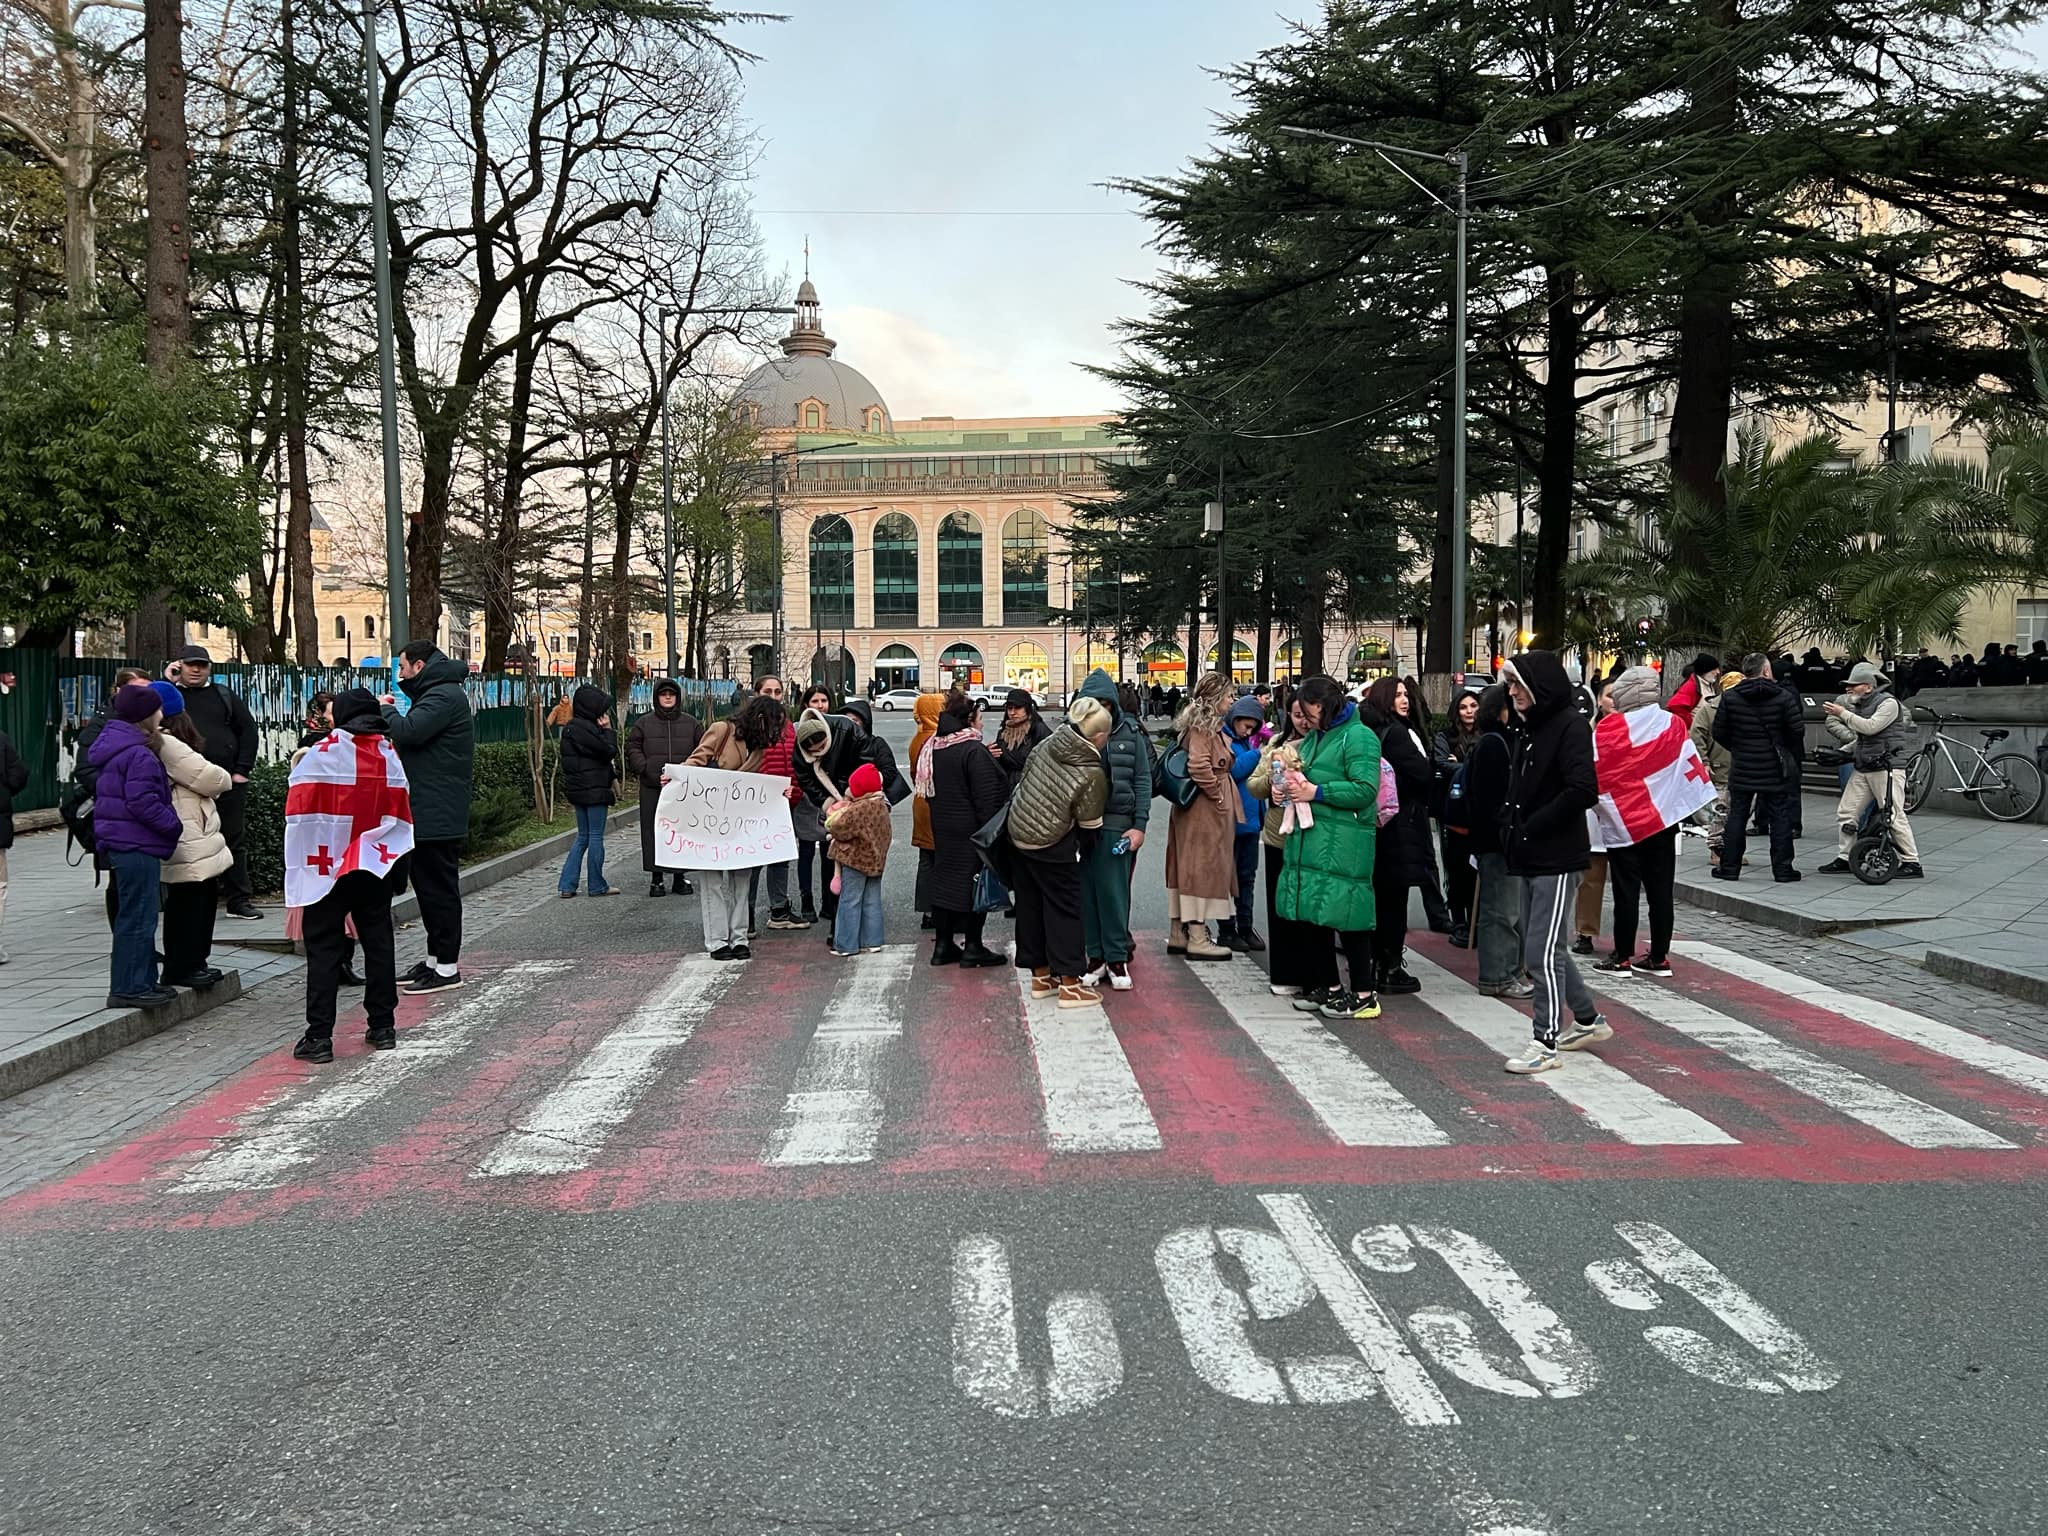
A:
x: 348, y: 808
x: 1651, y: 775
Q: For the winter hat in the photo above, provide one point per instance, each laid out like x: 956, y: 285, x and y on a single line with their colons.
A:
x: 1864, y: 672
x: 669, y: 685
x: 1635, y: 688
x: 352, y: 704
x: 137, y: 702
x: 866, y: 780
x: 813, y: 734
x: 174, y: 701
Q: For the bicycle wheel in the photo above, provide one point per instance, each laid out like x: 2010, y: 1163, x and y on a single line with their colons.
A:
x: 1919, y: 778
x: 2010, y: 787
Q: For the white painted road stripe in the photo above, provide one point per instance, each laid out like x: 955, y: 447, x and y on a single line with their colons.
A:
x: 1092, y: 1099
x: 1360, y: 1107
x: 567, y: 1130
x: 834, y: 1114
x: 1905, y: 1119
x: 1603, y: 1093
x: 283, y: 1135
x: 2015, y: 1066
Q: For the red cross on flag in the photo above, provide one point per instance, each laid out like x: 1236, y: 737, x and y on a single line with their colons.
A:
x: 1651, y: 775
x: 348, y: 808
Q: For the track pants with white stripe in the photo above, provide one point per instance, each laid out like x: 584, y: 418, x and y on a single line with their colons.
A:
x: 1547, y: 902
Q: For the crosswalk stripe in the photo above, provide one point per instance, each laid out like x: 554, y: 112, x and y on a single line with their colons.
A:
x: 2015, y: 1066
x: 284, y: 1135
x: 834, y: 1113
x: 1092, y: 1099
x: 1357, y: 1105
x: 1905, y: 1119
x: 1603, y: 1093
x: 567, y: 1129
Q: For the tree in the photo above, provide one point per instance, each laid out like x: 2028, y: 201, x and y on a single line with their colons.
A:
x: 113, y: 477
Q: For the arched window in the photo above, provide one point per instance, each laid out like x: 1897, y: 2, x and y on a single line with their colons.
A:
x: 814, y: 416
x: 340, y: 627
x: 369, y: 626
x: 1025, y: 600
x: 959, y: 664
x: 895, y: 572
x: 831, y: 571
x: 875, y: 419
x: 896, y: 666
x: 1166, y: 664
x: 960, y: 569
x: 1026, y: 665
x: 1240, y: 661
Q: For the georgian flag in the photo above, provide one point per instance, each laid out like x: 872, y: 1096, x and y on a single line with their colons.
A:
x: 348, y: 808
x: 1651, y: 775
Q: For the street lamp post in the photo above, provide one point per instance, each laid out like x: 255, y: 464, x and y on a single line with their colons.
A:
x: 1457, y: 159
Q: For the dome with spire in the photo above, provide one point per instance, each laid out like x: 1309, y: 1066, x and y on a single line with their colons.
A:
x: 809, y: 390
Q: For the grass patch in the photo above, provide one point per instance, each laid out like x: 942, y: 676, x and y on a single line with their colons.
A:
x: 527, y: 829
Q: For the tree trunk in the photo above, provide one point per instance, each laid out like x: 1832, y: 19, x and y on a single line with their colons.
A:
x: 1262, y: 664
x: 298, y: 526
x: 1194, y: 668
x: 586, y: 590
x: 429, y: 531
x: 1557, y: 469
x: 1706, y: 310
x: 81, y: 133
x: 1309, y: 621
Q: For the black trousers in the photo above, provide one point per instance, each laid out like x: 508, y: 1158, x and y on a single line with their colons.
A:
x: 1461, y: 880
x: 1775, y: 806
x: 1048, y: 898
x: 1289, y: 962
x: 437, y: 880
x: 234, y: 819
x: 366, y: 898
x: 1644, y: 868
x: 1319, y: 959
x: 949, y: 926
x: 189, y: 911
x: 1434, y: 907
x: 1390, y: 922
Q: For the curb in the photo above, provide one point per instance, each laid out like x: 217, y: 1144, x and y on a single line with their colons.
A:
x: 101, y: 1034
x: 1749, y: 909
x: 1996, y: 978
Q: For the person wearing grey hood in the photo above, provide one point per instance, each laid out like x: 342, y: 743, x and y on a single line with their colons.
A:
x: 1876, y: 729
x: 1127, y: 813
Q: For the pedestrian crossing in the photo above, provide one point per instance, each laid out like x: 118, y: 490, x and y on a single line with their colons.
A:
x: 593, y: 1084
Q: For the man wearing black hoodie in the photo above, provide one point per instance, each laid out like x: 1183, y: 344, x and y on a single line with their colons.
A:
x: 1760, y: 723
x: 1544, y: 840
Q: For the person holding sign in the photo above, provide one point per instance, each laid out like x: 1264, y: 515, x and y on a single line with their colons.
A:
x: 738, y: 745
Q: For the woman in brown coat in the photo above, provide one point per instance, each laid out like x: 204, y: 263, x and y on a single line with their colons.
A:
x: 1201, y: 856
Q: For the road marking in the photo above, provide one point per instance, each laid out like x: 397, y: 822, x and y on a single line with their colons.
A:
x: 1792, y: 1360
x: 1358, y: 1106
x: 834, y: 1114
x: 283, y: 1135
x: 1087, y: 1364
x: 1900, y: 1116
x: 2015, y: 1066
x: 1409, y: 1388
x: 1092, y: 1099
x: 1603, y: 1093
x: 565, y: 1132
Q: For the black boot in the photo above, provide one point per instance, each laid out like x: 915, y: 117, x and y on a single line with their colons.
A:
x: 680, y: 884
x: 946, y: 952
x: 657, y: 889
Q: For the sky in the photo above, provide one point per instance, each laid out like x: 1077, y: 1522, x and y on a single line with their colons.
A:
x: 947, y: 161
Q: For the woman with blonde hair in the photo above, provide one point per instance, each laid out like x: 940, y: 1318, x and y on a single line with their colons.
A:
x: 1201, y: 858
x: 191, y: 875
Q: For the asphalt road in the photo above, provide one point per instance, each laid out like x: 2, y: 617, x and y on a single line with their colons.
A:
x: 621, y: 1241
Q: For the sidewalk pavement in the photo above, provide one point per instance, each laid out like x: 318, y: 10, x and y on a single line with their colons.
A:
x: 53, y: 1013
x: 1981, y: 915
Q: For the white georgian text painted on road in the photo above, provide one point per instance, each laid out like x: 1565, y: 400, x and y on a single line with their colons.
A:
x: 1087, y: 1364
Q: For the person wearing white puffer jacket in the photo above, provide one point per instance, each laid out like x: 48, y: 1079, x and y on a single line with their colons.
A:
x: 191, y: 875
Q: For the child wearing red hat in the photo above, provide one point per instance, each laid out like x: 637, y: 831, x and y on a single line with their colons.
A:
x: 860, y: 830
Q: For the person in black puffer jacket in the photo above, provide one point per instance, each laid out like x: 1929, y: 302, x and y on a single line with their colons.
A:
x: 1761, y: 724
x: 1402, y: 859
x: 590, y: 776
x: 877, y: 751
x: 1475, y: 817
x: 662, y: 738
x: 1545, y: 839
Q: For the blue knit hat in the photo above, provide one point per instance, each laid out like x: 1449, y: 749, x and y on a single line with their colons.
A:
x: 174, y: 701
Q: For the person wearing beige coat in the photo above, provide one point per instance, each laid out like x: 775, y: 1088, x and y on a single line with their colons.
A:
x: 1201, y: 854
x: 191, y: 875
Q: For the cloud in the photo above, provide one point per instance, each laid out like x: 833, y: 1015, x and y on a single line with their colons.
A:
x: 923, y: 372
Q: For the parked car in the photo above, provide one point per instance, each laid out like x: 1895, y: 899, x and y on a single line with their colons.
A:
x: 897, y: 698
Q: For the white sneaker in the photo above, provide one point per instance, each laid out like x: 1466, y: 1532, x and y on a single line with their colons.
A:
x: 1278, y: 990
x: 1540, y: 1058
x: 1582, y: 1034
x: 1119, y: 978
x: 1096, y: 977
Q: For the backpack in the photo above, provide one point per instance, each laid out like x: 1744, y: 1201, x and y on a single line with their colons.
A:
x: 75, y: 807
x: 1457, y: 815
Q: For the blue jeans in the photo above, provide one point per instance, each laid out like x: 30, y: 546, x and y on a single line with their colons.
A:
x: 1500, y: 922
x: 858, y: 924
x: 590, y: 820
x: 1247, y: 848
x: 134, y: 955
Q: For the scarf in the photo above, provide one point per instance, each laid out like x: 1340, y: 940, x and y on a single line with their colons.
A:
x: 923, y: 784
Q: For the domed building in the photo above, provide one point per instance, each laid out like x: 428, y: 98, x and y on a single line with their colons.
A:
x: 807, y: 389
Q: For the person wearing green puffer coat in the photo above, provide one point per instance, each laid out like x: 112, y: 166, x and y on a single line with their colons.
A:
x: 436, y: 741
x: 1326, y: 880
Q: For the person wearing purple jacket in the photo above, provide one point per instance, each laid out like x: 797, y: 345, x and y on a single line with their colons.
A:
x: 136, y: 827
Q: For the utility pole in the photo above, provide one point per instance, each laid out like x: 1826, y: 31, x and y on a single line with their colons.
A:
x: 1212, y: 522
x: 387, y: 349
x: 668, y: 501
x: 1459, y: 161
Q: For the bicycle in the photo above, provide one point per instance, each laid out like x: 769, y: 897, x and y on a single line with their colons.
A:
x: 2007, y: 785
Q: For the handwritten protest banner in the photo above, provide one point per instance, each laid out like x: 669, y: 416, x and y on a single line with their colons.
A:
x: 708, y: 818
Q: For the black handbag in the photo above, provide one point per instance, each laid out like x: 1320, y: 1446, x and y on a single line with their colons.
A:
x: 1174, y: 782
x: 992, y: 843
